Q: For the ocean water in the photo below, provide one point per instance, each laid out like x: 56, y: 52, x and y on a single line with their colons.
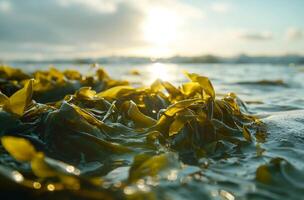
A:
x: 275, y: 93
x: 266, y: 88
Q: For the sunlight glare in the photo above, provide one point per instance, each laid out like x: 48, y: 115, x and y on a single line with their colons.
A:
x: 160, y: 26
x: 160, y: 71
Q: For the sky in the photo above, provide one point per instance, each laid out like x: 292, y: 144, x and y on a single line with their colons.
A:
x: 39, y: 29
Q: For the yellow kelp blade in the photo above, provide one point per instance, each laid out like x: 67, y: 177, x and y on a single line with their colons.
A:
x: 116, y: 92
x: 152, y: 166
x: 22, y: 150
x: 55, y: 73
x: 204, y: 83
x: 19, y: 148
x: 72, y: 74
x: 12, y: 73
x: 138, y: 117
x: 156, y: 85
x: 181, y: 105
x: 85, y: 93
x: 190, y: 88
x: 263, y: 174
x: 18, y: 102
x: 246, y: 134
x: 180, y: 120
x: 3, y: 99
x: 40, y: 168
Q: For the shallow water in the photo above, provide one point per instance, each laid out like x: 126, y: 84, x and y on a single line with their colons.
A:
x: 273, y: 92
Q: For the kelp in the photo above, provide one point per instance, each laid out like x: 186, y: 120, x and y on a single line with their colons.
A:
x: 72, y: 143
x: 19, y: 101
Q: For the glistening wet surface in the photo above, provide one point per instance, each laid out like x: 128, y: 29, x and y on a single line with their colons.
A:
x: 175, y: 141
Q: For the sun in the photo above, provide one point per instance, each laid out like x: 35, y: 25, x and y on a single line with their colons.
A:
x: 160, y: 26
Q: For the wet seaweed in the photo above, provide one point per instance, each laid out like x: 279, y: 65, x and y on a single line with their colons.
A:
x: 66, y: 135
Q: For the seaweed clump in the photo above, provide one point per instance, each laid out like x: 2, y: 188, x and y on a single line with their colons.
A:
x: 64, y: 134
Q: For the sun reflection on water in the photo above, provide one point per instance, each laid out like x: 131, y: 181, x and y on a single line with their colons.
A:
x: 165, y: 72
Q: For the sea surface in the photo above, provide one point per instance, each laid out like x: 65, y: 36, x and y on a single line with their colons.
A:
x: 266, y: 88
x: 275, y: 93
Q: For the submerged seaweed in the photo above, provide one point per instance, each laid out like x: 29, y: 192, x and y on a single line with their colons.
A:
x: 66, y: 135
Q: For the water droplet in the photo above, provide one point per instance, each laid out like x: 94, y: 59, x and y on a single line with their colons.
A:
x: 129, y: 190
x: 197, y: 176
x: 140, y: 183
x: 17, y: 176
x: 227, y: 195
x: 70, y: 168
x: 172, y: 175
x: 51, y: 187
x: 36, y: 185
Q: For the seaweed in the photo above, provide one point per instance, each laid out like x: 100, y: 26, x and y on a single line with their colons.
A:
x: 63, y: 134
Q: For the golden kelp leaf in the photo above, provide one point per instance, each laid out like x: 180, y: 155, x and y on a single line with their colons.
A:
x: 22, y: 150
x: 70, y: 182
x: 181, y: 105
x: 156, y: 85
x: 163, y: 123
x: 152, y: 166
x: 176, y: 126
x: 87, y: 116
x: 90, y: 118
x: 3, y: 99
x: 116, y: 92
x: 20, y: 100
x: 174, y: 93
x: 40, y: 167
x: 201, y: 117
x: 72, y: 74
x: 85, y: 93
x: 19, y: 148
x: 102, y: 74
x: 204, y: 83
x: 12, y: 73
x: 139, y: 118
x: 231, y: 99
x: 54, y: 73
x: 190, y: 88
x: 263, y: 175
x: 113, y: 83
x: 246, y: 134
x: 179, y: 122
x: 153, y: 135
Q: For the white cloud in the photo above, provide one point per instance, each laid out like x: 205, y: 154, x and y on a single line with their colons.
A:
x: 103, y: 26
x: 184, y: 10
x: 294, y: 33
x: 221, y: 7
x: 5, y: 6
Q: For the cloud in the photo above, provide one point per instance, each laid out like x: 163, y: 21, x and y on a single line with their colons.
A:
x: 104, y: 6
x: 294, y: 34
x: 221, y: 7
x: 255, y: 36
x: 103, y: 26
x: 48, y: 22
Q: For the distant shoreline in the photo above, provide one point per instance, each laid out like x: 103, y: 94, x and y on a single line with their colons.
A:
x: 204, y: 59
